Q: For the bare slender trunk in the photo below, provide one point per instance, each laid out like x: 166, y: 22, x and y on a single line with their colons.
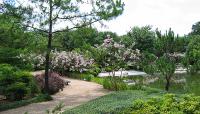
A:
x: 167, y: 83
x: 121, y: 72
x: 113, y: 73
x: 47, y: 64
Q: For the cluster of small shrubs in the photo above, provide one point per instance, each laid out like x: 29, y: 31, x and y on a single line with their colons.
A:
x: 169, y: 104
x: 94, y: 70
x: 56, y: 83
x: 119, y: 83
x: 16, y: 84
x: 114, y: 83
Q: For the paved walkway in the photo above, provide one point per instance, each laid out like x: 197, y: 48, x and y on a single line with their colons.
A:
x: 78, y: 92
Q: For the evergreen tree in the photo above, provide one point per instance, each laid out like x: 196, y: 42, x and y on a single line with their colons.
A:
x: 47, y: 15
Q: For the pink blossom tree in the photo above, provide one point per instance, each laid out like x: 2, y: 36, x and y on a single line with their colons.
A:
x: 117, y: 55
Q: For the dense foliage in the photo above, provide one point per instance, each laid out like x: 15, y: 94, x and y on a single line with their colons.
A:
x: 15, y: 84
x: 195, y: 29
x: 12, y: 56
x: 163, y: 61
x: 140, y: 38
x: 167, y: 104
x: 115, y: 84
x: 192, y: 59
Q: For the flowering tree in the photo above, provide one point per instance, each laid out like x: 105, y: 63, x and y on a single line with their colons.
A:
x: 61, y: 61
x: 117, y: 55
x: 69, y: 61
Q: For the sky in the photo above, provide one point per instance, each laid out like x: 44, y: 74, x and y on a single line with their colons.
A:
x: 179, y: 15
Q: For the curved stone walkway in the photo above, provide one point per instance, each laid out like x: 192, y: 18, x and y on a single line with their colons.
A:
x: 76, y: 93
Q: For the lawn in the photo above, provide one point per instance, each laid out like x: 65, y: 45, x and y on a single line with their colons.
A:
x: 112, y: 103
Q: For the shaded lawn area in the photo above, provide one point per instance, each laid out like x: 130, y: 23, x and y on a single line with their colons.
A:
x: 112, y: 103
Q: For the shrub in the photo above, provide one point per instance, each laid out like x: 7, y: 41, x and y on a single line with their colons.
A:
x: 94, y: 70
x: 31, y: 89
x: 69, y: 61
x: 44, y: 97
x: 169, y: 104
x: 87, y: 77
x: 114, y: 83
x: 15, y: 84
x: 56, y: 83
x: 16, y: 91
x: 6, y: 75
x: 106, y: 83
x: 98, y: 80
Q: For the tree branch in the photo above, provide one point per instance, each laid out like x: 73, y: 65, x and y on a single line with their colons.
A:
x: 28, y: 26
x: 77, y: 16
x: 81, y: 26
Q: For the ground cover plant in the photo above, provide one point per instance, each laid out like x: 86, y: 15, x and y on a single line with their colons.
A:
x: 169, y: 103
x: 111, y: 103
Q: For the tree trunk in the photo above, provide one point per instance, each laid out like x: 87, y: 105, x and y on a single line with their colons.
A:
x: 121, y: 73
x: 167, y: 83
x: 47, y: 64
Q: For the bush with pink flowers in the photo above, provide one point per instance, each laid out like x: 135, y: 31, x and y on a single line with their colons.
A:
x: 56, y: 83
x: 117, y: 56
x: 63, y: 62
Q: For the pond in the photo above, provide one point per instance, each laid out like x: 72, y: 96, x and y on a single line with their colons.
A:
x: 180, y: 83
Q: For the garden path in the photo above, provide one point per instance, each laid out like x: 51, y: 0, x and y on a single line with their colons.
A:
x: 76, y: 93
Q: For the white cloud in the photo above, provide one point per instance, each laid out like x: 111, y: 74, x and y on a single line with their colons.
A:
x: 162, y: 14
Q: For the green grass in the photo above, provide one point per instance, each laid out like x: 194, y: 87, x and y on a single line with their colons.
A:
x: 112, y: 103
x: 39, y: 98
